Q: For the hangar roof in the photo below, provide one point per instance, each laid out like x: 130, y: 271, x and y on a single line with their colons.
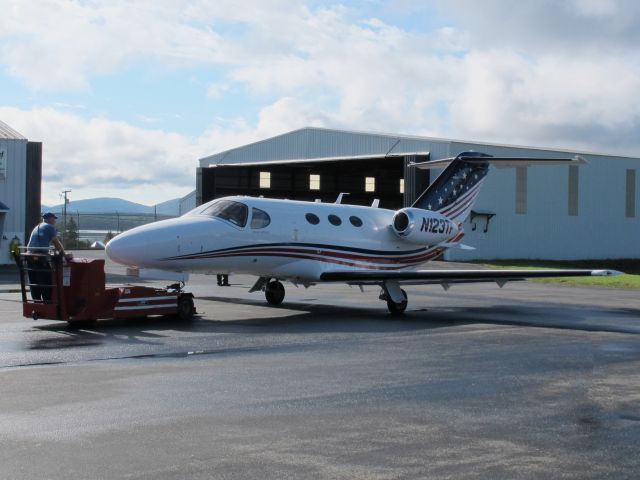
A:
x: 314, y: 144
x: 8, y: 133
x: 311, y: 143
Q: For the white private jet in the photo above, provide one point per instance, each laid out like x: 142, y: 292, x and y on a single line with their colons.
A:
x: 309, y: 242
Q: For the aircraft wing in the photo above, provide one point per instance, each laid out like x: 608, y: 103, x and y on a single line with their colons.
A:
x: 447, y: 277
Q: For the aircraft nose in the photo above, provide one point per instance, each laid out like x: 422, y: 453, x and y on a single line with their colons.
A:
x: 156, y: 244
x: 129, y: 248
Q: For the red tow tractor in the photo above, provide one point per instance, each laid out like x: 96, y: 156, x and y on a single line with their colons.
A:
x: 75, y: 291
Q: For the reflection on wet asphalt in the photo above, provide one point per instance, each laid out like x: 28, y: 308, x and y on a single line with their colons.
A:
x: 526, y: 382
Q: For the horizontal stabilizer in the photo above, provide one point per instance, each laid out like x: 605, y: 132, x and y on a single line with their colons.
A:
x: 606, y: 273
x: 501, y: 162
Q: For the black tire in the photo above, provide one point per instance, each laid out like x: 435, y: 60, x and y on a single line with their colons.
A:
x: 397, y: 308
x: 186, y: 308
x: 274, y: 292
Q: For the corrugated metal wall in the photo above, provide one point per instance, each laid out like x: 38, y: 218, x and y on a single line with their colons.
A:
x: 599, y: 225
x: 600, y: 229
x: 12, y: 194
x: 187, y: 203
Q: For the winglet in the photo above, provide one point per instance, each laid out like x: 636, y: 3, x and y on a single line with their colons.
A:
x: 606, y: 273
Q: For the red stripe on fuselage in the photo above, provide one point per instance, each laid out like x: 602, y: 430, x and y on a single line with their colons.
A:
x: 339, y: 258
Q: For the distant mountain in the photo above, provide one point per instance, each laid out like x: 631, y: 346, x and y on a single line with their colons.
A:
x: 101, y: 205
x: 112, y: 205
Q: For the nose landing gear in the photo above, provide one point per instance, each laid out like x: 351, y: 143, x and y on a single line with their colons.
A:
x: 274, y: 292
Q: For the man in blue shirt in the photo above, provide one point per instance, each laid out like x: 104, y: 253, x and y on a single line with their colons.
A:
x: 42, y: 236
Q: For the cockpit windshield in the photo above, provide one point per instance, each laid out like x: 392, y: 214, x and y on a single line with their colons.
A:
x: 234, y: 212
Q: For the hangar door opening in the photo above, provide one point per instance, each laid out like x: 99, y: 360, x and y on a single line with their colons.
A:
x: 391, y: 180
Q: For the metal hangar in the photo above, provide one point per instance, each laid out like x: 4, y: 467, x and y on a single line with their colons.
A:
x: 535, y: 212
x: 20, y: 178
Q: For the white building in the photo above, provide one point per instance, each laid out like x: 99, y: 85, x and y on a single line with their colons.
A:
x: 20, y: 177
x: 536, y: 212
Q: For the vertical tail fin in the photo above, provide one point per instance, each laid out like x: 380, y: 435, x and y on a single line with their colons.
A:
x: 455, y: 190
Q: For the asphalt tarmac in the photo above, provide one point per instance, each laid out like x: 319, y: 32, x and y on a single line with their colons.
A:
x: 527, y: 381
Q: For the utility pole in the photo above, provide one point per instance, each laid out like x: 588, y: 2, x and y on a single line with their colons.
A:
x: 64, y: 212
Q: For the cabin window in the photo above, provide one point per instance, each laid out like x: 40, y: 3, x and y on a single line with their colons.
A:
x: 314, y: 182
x: 265, y: 179
x: 402, y: 185
x: 259, y: 218
x: 312, y: 218
x: 370, y: 184
x: 334, y: 220
x: 233, y: 212
x: 355, y: 221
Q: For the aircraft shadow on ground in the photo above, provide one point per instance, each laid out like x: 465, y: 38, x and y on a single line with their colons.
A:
x: 303, y: 317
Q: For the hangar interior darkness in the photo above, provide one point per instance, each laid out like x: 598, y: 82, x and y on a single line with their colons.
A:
x: 388, y: 179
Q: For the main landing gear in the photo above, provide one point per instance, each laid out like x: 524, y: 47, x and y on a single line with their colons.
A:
x: 399, y: 307
x: 274, y: 292
x: 395, y: 297
x: 272, y: 288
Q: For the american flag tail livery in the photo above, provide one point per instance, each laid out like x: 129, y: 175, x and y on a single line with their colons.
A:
x: 455, y: 190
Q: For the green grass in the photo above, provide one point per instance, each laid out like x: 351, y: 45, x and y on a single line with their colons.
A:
x: 629, y: 280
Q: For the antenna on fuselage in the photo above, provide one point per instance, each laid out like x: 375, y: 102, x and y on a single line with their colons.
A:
x: 342, y: 194
x: 375, y: 203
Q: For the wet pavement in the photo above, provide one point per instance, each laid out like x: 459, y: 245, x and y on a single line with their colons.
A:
x: 527, y: 381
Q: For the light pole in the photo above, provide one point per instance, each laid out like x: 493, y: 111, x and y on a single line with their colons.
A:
x: 64, y: 214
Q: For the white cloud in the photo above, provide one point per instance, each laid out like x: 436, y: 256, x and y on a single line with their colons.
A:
x: 216, y: 90
x: 537, y: 72
x: 554, y: 101
x: 138, y: 164
x: 101, y: 157
x: 573, y: 28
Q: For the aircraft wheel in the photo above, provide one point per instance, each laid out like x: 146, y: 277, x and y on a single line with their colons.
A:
x: 186, y: 309
x: 274, y: 292
x: 397, y: 308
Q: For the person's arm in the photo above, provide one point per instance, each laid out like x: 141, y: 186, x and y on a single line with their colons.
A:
x: 58, y: 244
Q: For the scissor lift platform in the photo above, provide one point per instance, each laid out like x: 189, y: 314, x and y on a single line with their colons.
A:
x: 75, y: 291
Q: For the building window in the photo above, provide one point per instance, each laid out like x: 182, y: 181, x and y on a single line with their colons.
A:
x: 402, y: 185
x: 314, y: 182
x: 370, y: 184
x: 312, y: 218
x: 265, y: 179
x: 521, y: 190
x: 573, y: 190
x: 631, y: 194
x: 334, y: 220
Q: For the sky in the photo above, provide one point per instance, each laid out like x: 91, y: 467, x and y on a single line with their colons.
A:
x: 127, y: 95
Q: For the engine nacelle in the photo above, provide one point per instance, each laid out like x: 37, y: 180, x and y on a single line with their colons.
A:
x: 423, y: 227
